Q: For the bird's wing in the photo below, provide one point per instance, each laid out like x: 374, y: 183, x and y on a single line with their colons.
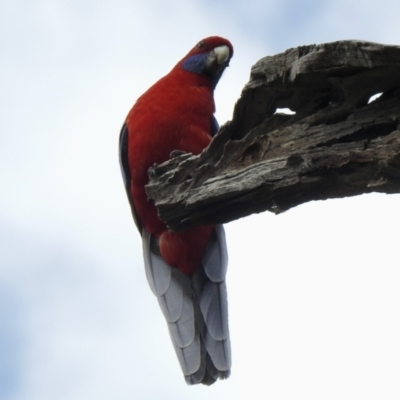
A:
x: 126, y: 174
x: 214, y: 126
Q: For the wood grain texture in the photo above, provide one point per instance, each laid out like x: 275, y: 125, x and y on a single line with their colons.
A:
x: 337, y: 144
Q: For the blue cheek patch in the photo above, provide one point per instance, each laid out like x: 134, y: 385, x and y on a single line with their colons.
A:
x: 195, y: 64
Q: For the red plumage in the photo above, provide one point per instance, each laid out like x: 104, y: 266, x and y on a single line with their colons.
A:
x: 176, y: 113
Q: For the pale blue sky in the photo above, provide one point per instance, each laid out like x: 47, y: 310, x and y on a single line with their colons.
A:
x: 313, y: 293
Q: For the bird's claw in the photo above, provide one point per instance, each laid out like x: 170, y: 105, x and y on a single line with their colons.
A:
x: 176, y: 153
x: 151, y: 172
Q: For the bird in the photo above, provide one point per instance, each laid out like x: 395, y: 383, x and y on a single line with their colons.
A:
x: 185, y: 270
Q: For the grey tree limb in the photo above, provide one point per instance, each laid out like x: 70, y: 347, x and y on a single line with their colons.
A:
x: 336, y: 144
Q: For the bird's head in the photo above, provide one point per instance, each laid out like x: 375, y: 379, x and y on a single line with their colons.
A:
x: 209, y: 58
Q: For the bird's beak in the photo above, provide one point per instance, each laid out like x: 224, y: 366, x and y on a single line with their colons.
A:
x: 218, y: 60
x: 221, y: 53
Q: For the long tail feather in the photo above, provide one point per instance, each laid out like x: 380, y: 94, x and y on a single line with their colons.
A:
x: 195, y: 308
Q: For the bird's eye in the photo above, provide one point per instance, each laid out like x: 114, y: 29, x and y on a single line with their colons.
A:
x: 200, y: 45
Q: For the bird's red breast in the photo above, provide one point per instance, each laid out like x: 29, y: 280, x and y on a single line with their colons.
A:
x: 174, y: 114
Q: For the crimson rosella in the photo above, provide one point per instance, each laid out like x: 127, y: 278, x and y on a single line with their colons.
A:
x: 185, y: 270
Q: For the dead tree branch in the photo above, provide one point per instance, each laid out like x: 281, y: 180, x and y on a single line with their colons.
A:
x: 337, y: 144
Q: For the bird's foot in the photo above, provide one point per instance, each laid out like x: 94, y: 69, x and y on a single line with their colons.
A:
x: 176, y: 153
x: 151, y: 172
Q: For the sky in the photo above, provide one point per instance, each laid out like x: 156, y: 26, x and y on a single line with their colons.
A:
x: 313, y: 293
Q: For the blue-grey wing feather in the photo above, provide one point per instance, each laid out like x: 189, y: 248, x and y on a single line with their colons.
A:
x: 126, y: 173
x: 214, y: 126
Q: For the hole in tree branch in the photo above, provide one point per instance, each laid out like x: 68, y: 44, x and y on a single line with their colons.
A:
x: 284, y: 111
x: 374, y: 97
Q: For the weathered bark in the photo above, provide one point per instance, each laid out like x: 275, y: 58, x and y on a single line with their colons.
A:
x: 335, y: 145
